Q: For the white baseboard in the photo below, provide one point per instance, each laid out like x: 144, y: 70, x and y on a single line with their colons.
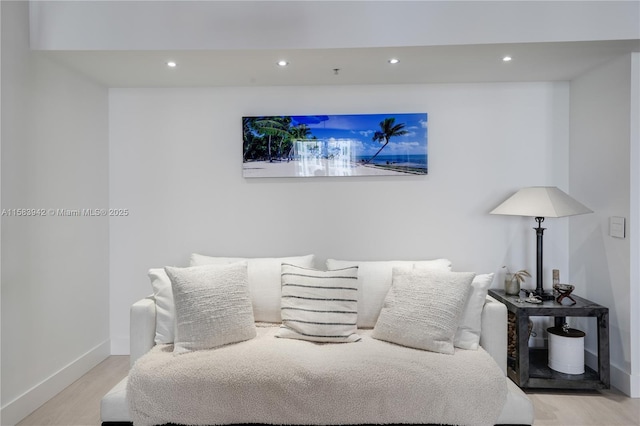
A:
x: 634, y: 391
x: 29, y: 401
x: 120, y: 346
x: 620, y: 379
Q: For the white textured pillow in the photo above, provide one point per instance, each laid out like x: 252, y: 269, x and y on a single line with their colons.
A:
x: 165, y: 308
x: 264, y: 280
x: 213, y: 307
x: 468, y: 333
x: 374, y: 281
x: 320, y: 306
x: 423, y: 309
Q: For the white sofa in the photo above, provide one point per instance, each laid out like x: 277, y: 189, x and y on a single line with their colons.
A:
x: 517, y: 409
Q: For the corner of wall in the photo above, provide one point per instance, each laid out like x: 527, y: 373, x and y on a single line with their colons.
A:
x: 16, y: 410
x: 604, y: 268
x: 54, y: 157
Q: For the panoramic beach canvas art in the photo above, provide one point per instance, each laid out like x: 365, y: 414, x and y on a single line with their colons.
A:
x: 335, y: 145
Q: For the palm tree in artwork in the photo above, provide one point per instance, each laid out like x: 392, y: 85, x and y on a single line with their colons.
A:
x: 301, y: 131
x: 250, y: 141
x: 273, y: 127
x: 388, y: 129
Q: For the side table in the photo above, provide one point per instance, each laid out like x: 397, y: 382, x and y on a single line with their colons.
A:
x: 529, y: 369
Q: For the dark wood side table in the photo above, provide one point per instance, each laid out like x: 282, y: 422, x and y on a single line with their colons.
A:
x: 529, y: 369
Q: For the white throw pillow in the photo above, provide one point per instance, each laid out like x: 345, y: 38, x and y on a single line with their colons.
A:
x: 320, y: 306
x: 374, y: 281
x: 213, y: 307
x: 468, y: 333
x: 264, y: 280
x: 423, y: 308
x: 165, y: 308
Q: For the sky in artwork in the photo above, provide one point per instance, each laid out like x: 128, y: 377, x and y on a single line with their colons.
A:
x: 360, y: 129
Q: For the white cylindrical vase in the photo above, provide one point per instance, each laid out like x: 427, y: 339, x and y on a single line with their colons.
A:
x: 566, y: 350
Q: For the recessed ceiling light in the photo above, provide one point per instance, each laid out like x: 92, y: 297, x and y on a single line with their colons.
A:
x: 283, y: 63
x: 172, y: 64
x: 394, y: 60
x: 506, y: 58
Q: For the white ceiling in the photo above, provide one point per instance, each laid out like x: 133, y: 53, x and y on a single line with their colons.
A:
x: 230, y: 43
x: 554, y: 61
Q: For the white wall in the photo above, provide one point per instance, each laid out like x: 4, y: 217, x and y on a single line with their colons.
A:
x: 55, y: 283
x: 176, y: 164
x: 600, y: 177
x: 0, y: 207
x: 634, y: 228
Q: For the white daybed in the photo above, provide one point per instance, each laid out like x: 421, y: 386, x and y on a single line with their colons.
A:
x: 269, y: 380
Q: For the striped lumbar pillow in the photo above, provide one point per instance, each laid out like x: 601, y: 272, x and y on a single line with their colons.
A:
x: 320, y: 306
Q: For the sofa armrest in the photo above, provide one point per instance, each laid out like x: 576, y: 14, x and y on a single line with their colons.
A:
x: 493, y: 335
x: 142, y: 328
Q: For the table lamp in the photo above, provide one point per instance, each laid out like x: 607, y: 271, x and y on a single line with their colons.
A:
x: 540, y: 202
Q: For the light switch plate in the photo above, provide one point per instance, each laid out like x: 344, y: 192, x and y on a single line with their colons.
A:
x: 616, y: 226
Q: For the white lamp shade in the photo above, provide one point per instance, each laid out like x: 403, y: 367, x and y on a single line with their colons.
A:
x: 541, y: 201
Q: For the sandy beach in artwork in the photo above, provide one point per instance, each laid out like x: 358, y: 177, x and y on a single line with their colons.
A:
x: 316, y: 167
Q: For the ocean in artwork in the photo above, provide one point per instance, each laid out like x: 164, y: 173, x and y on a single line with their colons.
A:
x: 411, y: 160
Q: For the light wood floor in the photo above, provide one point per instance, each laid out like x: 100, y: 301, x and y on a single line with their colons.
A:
x: 585, y: 408
x: 79, y: 404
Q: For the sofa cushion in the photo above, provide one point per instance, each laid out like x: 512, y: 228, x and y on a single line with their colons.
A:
x: 423, y: 308
x: 113, y: 406
x: 213, y: 307
x: 374, y: 281
x: 320, y: 306
x: 264, y: 280
x: 517, y: 409
x: 165, y: 308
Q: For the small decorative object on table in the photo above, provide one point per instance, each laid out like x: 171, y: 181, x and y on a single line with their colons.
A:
x: 564, y: 291
x: 532, y: 298
x: 513, y: 282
